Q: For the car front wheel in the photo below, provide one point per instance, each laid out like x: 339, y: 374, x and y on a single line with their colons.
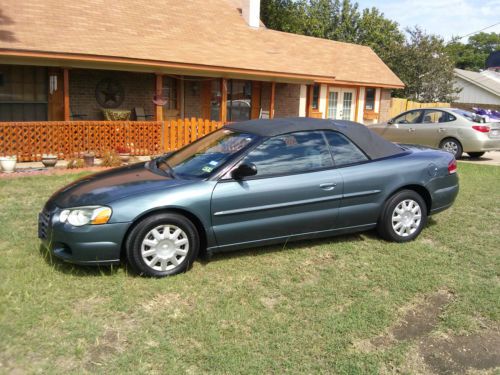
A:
x: 162, y: 245
x: 403, y: 217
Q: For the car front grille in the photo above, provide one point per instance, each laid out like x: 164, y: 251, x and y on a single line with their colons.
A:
x: 43, y: 224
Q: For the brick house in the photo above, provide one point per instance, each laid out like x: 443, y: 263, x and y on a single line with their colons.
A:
x: 170, y: 59
x: 65, y: 66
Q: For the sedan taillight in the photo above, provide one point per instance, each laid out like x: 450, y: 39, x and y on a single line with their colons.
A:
x: 452, y: 166
x: 481, y: 128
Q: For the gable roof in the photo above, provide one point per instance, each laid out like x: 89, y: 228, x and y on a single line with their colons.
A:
x: 488, y: 80
x: 206, y: 33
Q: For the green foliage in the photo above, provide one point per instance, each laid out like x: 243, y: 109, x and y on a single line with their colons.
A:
x: 420, y: 60
x: 426, y: 68
x: 473, y: 54
x: 75, y: 163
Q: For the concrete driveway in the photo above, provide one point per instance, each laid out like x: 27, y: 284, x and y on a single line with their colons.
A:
x: 490, y: 158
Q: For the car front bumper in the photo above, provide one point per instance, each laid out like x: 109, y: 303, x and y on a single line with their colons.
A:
x: 86, y: 245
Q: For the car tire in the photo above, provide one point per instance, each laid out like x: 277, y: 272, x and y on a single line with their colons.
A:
x: 475, y: 155
x: 162, y: 245
x: 452, y: 146
x: 403, y: 217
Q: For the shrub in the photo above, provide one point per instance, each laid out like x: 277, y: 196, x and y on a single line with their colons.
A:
x: 75, y: 163
x: 110, y: 159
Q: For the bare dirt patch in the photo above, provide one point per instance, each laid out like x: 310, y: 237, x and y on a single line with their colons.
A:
x: 445, y: 354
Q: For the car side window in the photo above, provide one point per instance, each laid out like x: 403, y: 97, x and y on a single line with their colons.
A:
x: 434, y: 116
x: 291, y: 153
x: 411, y: 117
x: 344, y: 151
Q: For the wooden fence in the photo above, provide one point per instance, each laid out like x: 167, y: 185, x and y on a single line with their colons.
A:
x: 399, y: 105
x: 67, y: 139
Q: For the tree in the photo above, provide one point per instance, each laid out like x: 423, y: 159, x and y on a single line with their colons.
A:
x: 420, y: 60
x: 473, y: 54
x: 426, y: 68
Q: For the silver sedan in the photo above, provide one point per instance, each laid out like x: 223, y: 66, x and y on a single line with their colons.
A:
x: 452, y: 129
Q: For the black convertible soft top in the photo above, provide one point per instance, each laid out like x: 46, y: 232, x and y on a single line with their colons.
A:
x: 372, y: 144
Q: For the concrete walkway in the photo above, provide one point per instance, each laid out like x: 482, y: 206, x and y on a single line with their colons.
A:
x: 490, y: 158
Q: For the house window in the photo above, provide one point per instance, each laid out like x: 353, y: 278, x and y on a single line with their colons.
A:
x: 239, y: 100
x: 23, y: 93
x: 370, y: 99
x: 215, y: 100
x: 315, y: 97
x: 170, y: 92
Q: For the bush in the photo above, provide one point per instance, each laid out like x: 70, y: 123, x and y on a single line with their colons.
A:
x: 75, y: 163
x: 110, y: 159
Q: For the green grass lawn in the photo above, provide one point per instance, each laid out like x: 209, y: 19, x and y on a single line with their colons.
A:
x: 301, y: 309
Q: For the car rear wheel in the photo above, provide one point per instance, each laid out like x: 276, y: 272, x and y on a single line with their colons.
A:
x: 452, y: 146
x: 475, y: 155
x: 403, y: 217
x: 162, y: 245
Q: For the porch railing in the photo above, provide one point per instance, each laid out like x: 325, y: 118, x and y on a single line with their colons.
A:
x: 68, y: 139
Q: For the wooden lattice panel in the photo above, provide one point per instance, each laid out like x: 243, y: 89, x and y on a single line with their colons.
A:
x: 67, y: 139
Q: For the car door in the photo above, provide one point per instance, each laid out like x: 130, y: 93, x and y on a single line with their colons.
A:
x: 296, y: 191
x: 363, y: 182
x: 434, y: 124
x: 402, y: 128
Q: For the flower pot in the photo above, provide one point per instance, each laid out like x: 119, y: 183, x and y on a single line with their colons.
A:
x: 49, y: 161
x: 124, y: 157
x: 88, y: 159
x: 8, y: 163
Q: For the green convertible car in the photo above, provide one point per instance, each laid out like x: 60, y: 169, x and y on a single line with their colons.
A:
x: 248, y: 184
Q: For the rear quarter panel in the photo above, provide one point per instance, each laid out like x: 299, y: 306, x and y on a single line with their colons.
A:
x: 368, y: 186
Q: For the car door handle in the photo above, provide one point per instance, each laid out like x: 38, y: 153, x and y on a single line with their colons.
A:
x: 411, y: 130
x: 328, y: 186
x: 441, y: 130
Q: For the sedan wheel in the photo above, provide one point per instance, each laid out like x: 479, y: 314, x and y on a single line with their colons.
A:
x: 162, y: 245
x: 452, y: 146
x: 403, y: 217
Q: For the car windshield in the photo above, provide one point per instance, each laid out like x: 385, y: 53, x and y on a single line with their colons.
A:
x: 467, y: 114
x: 199, y: 159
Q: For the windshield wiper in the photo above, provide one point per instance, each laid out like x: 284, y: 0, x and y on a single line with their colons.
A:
x: 160, y: 162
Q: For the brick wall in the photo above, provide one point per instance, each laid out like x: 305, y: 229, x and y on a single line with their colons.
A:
x: 138, y: 87
x: 385, y: 105
x: 286, y: 100
x: 192, y: 99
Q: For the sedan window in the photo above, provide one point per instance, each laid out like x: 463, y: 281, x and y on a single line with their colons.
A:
x: 344, y: 151
x: 411, y: 117
x: 291, y: 153
x: 433, y: 116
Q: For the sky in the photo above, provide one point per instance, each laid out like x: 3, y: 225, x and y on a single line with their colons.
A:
x: 444, y: 17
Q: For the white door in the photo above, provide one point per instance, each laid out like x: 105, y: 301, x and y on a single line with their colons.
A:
x: 341, y: 103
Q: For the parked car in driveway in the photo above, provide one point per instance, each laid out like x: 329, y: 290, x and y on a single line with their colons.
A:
x: 452, y: 129
x: 248, y: 184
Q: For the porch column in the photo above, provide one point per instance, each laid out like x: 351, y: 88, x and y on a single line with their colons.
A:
x: 273, y: 93
x: 67, y: 113
x: 223, y: 104
x: 158, y: 93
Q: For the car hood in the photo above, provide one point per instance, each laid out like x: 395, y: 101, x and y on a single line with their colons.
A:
x: 105, y: 187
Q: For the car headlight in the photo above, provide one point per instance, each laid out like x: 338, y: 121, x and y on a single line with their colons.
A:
x: 85, y: 215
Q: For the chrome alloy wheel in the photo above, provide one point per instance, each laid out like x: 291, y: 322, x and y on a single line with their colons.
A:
x: 451, y: 147
x: 406, y: 217
x: 164, y: 247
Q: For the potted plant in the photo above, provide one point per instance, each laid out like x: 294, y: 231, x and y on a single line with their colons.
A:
x: 49, y: 160
x: 124, y: 153
x: 89, y: 158
x: 8, y: 163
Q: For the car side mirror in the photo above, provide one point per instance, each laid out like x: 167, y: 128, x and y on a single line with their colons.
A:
x: 244, y: 170
x: 390, y: 122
